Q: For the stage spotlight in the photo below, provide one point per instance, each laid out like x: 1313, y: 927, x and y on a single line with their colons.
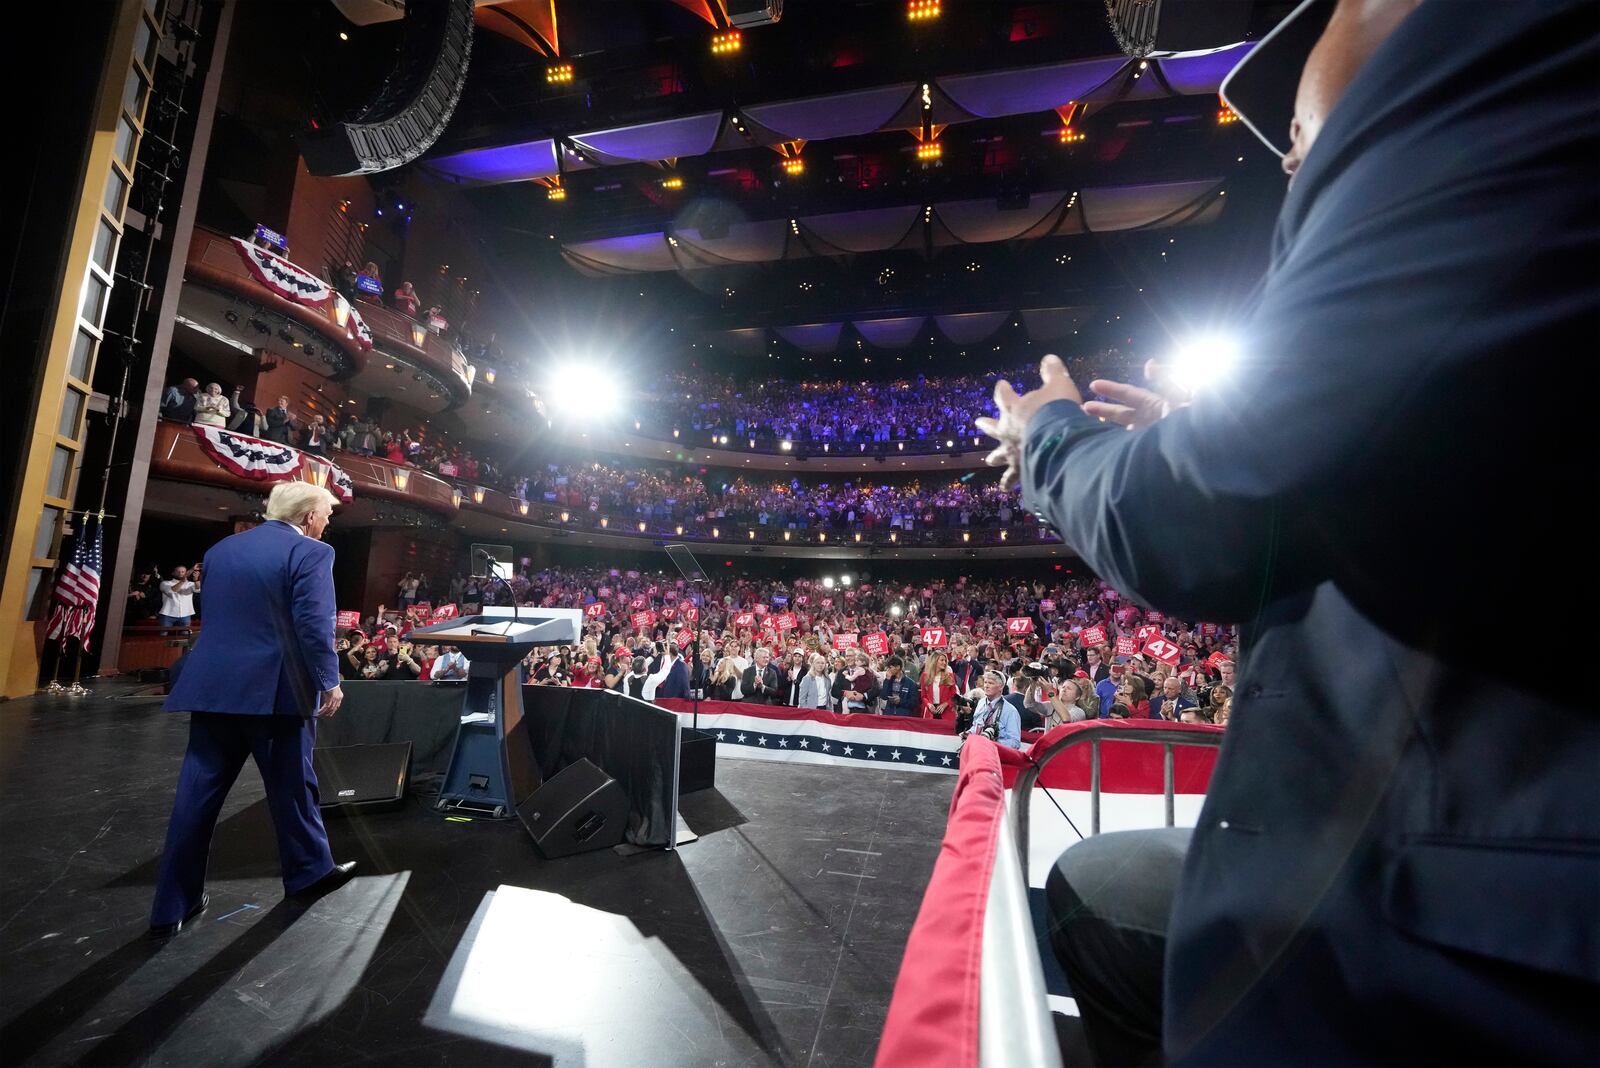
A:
x: 577, y: 383
x: 844, y: 580
x: 1203, y: 361
x: 827, y: 583
x: 786, y: 446
x: 896, y: 611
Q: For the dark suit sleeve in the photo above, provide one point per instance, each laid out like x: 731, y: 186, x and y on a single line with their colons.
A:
x: 1378, y: 354
x: 313, y: 608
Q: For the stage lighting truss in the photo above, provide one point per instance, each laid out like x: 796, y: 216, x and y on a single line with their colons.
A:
x: 724, y: 43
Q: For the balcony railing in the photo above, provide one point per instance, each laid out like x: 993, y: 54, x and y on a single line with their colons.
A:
x: 214, y: 262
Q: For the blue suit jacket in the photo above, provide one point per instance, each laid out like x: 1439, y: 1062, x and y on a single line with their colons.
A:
x: 267, y: 644
x: 1398, y: 856
x: 676, y: 684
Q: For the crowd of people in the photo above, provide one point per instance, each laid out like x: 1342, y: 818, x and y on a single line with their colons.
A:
x: 664, y: 497
x: 926, y: 410
x: 1001, y: 656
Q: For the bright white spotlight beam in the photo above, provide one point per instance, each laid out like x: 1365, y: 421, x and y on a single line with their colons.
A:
x: 580, y: 391
x: 1204, y: 361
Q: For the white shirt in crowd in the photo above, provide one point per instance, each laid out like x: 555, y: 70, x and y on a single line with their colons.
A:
x: 660, y: 676
x: 445, y: 662
x: 177, y: 597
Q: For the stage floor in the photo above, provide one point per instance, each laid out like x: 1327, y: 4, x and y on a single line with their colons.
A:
x: 773, y: 939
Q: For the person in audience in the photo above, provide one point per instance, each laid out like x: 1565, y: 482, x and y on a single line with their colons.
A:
x: 1223, y: 711
x: 815, y: 687
x: 1064, y: 704
x: 211, y: 408
x: 795, y: 669
x: 279, y: 423
x: 1171, y: 701
x: 177, y: 596
x: 404, y: 663
x: 373, y: 664
x: 315, y: 438
x: 1088, y: 696
x: 762, y: 683
x: 900, y: 694
x: 724, y: 680
x: 407, y: 589
x: 406, y: 300
x: 671, y: 679
x: 994, y: 716
x: 938, y: 687
x: 1098, y: 669
x: 450, y: 666
x: 144, y: 595
x: 855, y: 687
x: 178, y: 403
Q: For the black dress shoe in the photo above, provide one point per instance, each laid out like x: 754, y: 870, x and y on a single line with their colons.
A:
x: 341, y: 874
x: 167, y: 930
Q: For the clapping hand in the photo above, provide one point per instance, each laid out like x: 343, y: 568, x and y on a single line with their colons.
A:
x: 1136, y: 408
x: 1015, y: 410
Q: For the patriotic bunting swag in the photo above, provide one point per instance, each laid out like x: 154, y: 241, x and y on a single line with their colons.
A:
x: 282, y: 277
x: 268, y: 461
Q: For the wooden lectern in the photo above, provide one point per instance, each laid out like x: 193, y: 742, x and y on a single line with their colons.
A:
x: 492, y: 768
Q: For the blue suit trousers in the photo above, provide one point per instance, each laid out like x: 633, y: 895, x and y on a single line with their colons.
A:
x: 218, y: 745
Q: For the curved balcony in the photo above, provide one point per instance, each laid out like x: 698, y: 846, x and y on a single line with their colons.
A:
x: 225, y: 302
x: 500, y: 411
x: 478, y: 511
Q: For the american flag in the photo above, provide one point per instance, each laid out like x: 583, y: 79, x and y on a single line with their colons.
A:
x: 78, y: 590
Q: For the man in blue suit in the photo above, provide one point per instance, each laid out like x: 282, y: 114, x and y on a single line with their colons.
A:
x: 261, y: 672
x: 1398, y: 858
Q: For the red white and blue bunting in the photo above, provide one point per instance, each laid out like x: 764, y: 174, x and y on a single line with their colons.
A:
x: 268, y: 461
x: 359, y: 331
x: 287, y: 280
x: 247, y: 457
x: 775, y: 732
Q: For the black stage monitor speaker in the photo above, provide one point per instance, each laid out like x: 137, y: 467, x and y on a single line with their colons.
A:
x: 362, y: 778
x: 579, y: 809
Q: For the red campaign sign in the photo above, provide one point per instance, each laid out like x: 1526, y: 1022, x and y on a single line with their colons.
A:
x: 643, y: 620
x: 423, y: 607
x: 631, y: 574
x: 876, y: 644
x: 1047, y: 606
x: 845, y: 641
x: 802, y: 600
x: 761, y: 610
x: 636, y: 604
x: 669, y: 614
x: 1155, y: 617
x: 685, y: 639
x: 1162, y: 650
x: 785, y: 621
x: 652, y: 591
x: 1143, y: 634
x: 444, y: 612
x: 1091, y: 636
x: 744, y: 619
x: 691, y: 614
x: 1019, y: 625
x: 934, y: 637
x: 346, y: 620
x: 1126, y: 646
x: 827, y: 602
x: 603, y: 591
x: 1208, y: 629
x: 594, y: 611
x: 1217, y: 658
x: 849, y: 595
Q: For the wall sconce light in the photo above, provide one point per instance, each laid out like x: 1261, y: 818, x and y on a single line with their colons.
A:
x: 564, y: 517
x: 680, y: 530
x: 641, y: 526
x: 455, y: 497
x: 604, y: 522
x: 477, y: 495
x: 341, y: 311
x: 522, y: 506
x: 401, y: 477
x: 488, y: 376
x: 419, y: 334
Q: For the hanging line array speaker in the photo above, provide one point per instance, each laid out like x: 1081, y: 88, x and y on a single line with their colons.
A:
x: 415, y: 103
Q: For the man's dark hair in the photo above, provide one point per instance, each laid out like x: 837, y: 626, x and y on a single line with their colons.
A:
x: 893, y: 661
